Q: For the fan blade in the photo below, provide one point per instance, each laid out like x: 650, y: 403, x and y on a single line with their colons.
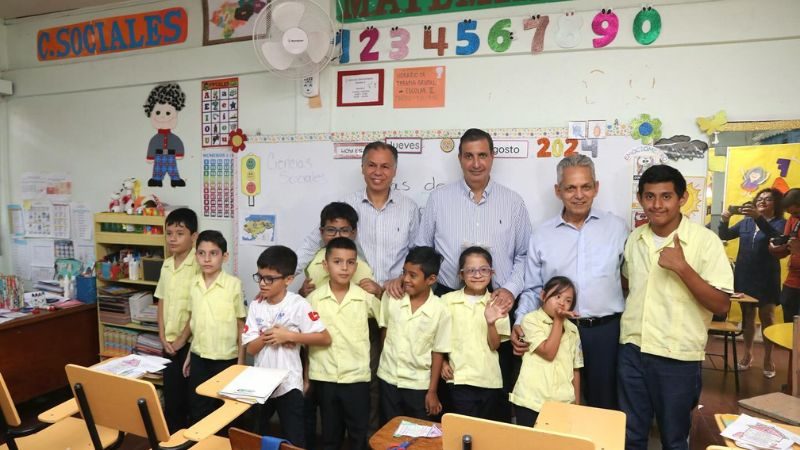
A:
x: 287, y: 15
x: 276, y: 56
x: 318, y: 45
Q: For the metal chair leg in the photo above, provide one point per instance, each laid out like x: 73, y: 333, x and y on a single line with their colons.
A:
x: 735, y: 362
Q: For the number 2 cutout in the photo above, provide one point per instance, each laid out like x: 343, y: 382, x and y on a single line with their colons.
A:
x: 371, y: 34
x: 543, y: 150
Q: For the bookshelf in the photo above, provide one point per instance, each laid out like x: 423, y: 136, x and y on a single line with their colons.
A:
x: 115, y: 232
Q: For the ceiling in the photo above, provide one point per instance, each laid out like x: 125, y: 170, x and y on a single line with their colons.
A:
x: 10, y: 9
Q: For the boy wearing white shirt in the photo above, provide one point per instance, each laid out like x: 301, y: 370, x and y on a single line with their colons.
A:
x: 278, y: 322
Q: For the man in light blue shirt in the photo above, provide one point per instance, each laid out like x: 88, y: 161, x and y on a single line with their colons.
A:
x: 586, y: 245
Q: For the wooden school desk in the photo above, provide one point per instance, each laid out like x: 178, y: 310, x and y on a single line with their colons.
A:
x: 721, y: 420
x: 38, y: 346
x: 384, y: 438
x: 604, y: 427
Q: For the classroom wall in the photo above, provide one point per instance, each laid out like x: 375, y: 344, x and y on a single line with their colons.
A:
x: 84, y: 115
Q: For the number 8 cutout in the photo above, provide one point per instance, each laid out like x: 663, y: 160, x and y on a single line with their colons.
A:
x: 568, y: 34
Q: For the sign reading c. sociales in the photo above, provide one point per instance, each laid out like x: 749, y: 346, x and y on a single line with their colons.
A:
x: 113, y: 34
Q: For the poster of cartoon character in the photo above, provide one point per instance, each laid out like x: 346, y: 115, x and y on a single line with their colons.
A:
x: 165, y: 148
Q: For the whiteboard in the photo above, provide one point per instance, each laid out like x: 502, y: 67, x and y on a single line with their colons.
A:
x: 297, y: 179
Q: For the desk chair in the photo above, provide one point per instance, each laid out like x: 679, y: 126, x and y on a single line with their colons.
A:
x: 69, y: 432
x: 489, y: 435
x: 244, y: 440
x: 728, y: 330
x: 130, y: 406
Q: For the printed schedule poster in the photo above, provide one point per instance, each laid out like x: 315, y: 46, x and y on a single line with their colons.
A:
x: 219, y: 111
x: 218, y: 184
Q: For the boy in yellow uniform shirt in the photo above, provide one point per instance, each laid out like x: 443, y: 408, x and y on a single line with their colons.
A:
x: 217, y: 320
x: 679, y: 276
x: 416, y: 333
x: 338, y: 219
x: 340, y: 373
x: 172, y: 292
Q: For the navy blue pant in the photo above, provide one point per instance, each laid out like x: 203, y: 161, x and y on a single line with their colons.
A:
x: 790, y: 301
x: 176, y: 391
x: 525, y: 417
x: 201, y: 369
x: 475, y: 401
x: 396, y: 401
x: 290, y: 408
x: 599, y: 373
x: 343, y: 407
x: 653, y: 385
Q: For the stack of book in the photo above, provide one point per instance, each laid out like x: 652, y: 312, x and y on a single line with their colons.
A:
x: 149, y: 344
x: 254, y: 384
x: 119, y: 341
x: 114, y: 305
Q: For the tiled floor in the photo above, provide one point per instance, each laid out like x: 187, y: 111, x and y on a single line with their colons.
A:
x: 719, y: 396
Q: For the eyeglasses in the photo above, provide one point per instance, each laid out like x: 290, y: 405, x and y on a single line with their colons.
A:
x: 765, y: 199
x: 333, y: 231
x: 268, y: 280
x: 482, y: 271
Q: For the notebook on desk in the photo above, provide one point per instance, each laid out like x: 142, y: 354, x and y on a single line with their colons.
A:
x: 254, y: 384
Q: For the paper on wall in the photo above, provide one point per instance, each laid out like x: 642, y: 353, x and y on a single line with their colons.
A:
x: 16, y: 220
x: 38, y: 219
x: 42, y: 273
x: 52, y: 186
x: 81, y: 221
x: 61, y: 220
x: 21, y: 256
x: 257, y: 229
x: 42, y: 252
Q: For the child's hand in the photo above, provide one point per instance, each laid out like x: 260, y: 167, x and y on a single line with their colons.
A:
x: 432, y: 405
x: 518, y: 341
x: 167, y: 346
x: 186, y: 367
x: 447, y: 371
x: 564, y: 314
x: 371, y: 286
x: 278, y: 335
x: 306, y: 387
x: 177, y: 344
x: 672, y: 258
x: 495, y: 310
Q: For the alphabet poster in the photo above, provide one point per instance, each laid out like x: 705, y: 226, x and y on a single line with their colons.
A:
x: 219, y: 111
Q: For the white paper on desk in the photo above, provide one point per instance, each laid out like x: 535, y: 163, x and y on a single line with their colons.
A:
x: 82, y: 226
x: 133, y: 366
x: 755, y: 433
x: 15, y: 315
x: 254, y: 384
x: 5, y: 319
x: 414, y: 430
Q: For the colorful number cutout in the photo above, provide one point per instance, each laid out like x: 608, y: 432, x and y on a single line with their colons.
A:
x: 572, y: 147
x: 400, y: 44
x: 500, y: 36
x: 540, y: 23
x: 650, y: 15
x: 783, y: 165
x: 568, y: 34
x: 343, y: 38
x: 557, y: 147
x: 371, y: 34
x: 544, y: 146
x: 606, y: 25
x: 466, y: 32
x: 441, y: 40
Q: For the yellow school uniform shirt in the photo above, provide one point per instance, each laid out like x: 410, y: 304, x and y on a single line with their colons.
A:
x: 173, y: 290
x: 473, y: 362
x: 346, y: 360
x: 215, y: 311
x: 317, y: 274
x: 541, y: 380
x: 661, y: 316
x: 410, y: 339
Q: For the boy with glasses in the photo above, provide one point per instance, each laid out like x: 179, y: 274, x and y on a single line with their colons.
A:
x: 276, y: 323
x: 338, y: 219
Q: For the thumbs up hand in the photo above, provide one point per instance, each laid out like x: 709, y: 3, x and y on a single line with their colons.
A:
x: 672, y: 258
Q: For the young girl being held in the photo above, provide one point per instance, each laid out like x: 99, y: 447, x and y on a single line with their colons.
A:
x: 479, y: 325
x: 550, y: 369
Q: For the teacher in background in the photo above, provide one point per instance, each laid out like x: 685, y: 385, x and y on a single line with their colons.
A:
x: 478, y: 211
x: 757, y: 273
x: 387, y: 221
x: 586, y: 245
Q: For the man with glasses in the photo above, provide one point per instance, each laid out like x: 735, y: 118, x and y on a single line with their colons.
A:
x: 388, y: 220
x: 585, y: 245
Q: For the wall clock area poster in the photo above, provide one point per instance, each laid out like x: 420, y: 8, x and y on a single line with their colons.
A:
x: 229, y: 20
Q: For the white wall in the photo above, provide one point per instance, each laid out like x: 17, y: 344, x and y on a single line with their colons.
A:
x: 84, y: 115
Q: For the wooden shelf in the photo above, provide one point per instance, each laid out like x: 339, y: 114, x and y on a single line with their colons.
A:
x: 131, y: 325
x: 129, y: 281
x: 128, y: 219
x: 132, y: 239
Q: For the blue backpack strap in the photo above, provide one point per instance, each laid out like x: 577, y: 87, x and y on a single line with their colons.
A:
x: 271, y: 443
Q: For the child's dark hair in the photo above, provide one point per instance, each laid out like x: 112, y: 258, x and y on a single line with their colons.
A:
x: 663, y: 173
x: 340, y: 242
x: 169, y: 93
x: 558, y: 285
x: 278, y: 258
x: 215, y: 237
x: 474, y: 250
x: 427, y: 259
x: 338, y: 210
x: 183, y: 216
